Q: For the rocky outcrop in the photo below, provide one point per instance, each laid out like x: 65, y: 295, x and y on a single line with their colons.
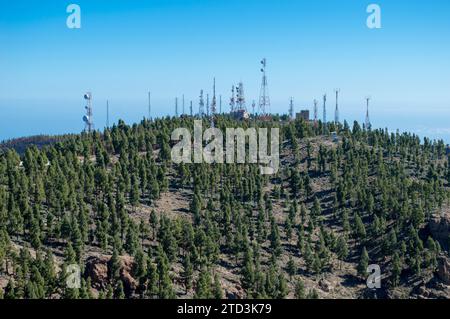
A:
x: 97, y: 270
x: 443, y: 269
x: 439, y: 227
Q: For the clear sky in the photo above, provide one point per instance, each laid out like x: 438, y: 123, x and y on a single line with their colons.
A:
x: 174, y: 47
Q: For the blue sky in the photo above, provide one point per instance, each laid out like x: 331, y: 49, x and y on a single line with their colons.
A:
x: 174, y: 47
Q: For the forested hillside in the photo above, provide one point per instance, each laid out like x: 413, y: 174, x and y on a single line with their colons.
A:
x: 140, y: 226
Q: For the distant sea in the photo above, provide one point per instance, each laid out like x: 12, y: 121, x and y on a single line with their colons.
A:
x: 19, y: 118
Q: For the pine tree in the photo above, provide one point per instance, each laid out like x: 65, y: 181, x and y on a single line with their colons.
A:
x: 342, y: 250
x: 363, y: 263
x: 187, y: 272
x: 299, y: 290
x: 203, y: 286
x: 119, y: 293
x: 217, y: 291
x: 291, y: 267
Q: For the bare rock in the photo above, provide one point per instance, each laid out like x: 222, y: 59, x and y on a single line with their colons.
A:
x: 443, y: 269
x: 440, y: 228
x: 97, y: 270
x: 325, y: 285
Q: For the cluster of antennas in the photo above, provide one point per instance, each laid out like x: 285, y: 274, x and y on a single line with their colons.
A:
x: 87, y: 118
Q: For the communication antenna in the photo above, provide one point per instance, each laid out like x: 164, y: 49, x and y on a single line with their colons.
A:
x: 240, y: 97
x: 264, y: 100
x: 324, y: 113
x: 207, y: 104
x: 176, y: 107
x: 253, y: 106
x: 220, y: 104
x: 368, y: 125
x: 107, y: 113
x: 315, y: 112
x: 213, y: 104
x: 88, y: 118
x: 232, y: 100
x: 201, y: 105
x: 190, y: 108
x: 183, y: 105
x: 336, y: 111
x: 149, y: 106
x: 291, y: 108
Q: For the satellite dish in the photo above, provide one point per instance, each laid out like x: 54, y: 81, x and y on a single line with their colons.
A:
x: 87, y: 96
x: 86, y: 118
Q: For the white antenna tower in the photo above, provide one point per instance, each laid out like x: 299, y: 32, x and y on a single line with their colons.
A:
x: 213, y: 103
x: 368, y: 125
x: 232, y: 100
x: 190, y: 108
x: 107, y: 113
x: 201, y: 105
x: 240, y: 97
x: 207, y: 104
x: 88, y: 118
x: 315, y: 112
x: 149, y: 106
x: 324, y: 112
x: 336, y: 111
x: 291, y: 108
x: 264, y: 100
x: 183, y: 105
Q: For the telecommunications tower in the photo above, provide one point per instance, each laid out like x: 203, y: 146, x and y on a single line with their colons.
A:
x: 368, y: 125
x: 316, y: 113
x: 107, y: 113
x: 149, y: 106
x: 324, y: 113
x: 176, y: 107
x: 213, y: 103
x: 232, y: 100
x: 240, y: 97
x: 291, y: 108
x: 264, y: 100
x: 336, y: 111
x: 201, y: 105
x: 88, y: 118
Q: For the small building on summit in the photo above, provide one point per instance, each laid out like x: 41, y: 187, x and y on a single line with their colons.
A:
x: 240, y: 114
x: 304, y: 114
